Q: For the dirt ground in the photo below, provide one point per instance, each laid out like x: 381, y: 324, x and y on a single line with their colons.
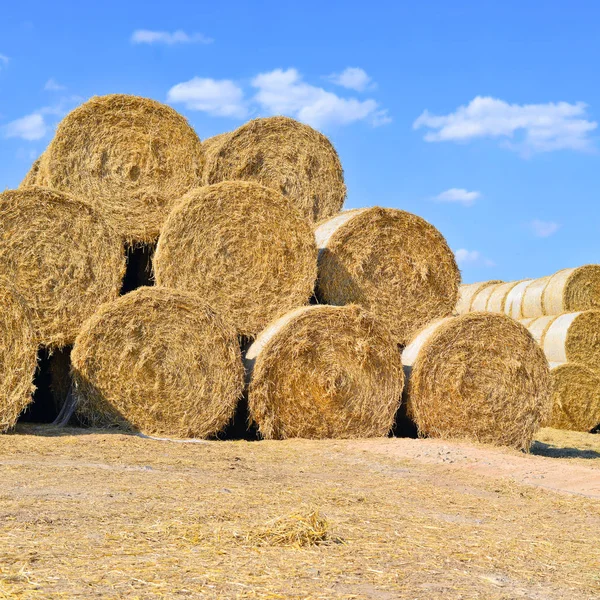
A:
x: 88, y: 514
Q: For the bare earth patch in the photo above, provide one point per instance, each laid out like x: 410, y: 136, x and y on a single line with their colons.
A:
x: 87, y: 514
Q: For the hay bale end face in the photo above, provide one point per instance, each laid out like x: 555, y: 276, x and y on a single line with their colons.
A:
x: 159, y: 361
x: 61, y: 257
x: 243, y: 248
x: 479, y: 376
x: 575, y: 397
x: 18, y: 357
x: 286, y: 155
x: 395, y: 264
x: 324, y: 372
x: 131, y: 158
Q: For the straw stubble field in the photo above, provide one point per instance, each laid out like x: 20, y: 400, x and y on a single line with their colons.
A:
x: 88, y: 514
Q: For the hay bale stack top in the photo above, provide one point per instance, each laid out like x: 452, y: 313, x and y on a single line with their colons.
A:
x: 392, y: 262
x: 324, y: 372
x: 479, y: 376
x: 286, y: 155
x: 61, y: 257
x: 159, y: 361
x: 131, y: 158
x: 243, y: 248
x: 18, y: 357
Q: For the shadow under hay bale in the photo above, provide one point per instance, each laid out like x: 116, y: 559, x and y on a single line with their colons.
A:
x: 138, y: 271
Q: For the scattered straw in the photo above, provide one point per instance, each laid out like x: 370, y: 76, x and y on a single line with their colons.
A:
x: 158, y: 361
x: 243, y: 248
x: 393, y: 263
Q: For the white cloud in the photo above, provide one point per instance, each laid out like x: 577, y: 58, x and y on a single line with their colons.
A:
x: 3, y: 61
x: 459, y: 196
x: 146, y: 36
x: 543, y: 228
x: 353, y: 78
x: 544, y: 127
x: 472, y: 257
x: 31, y: 127
x: 222, y: 98
x: 53, y: 86
x: 284, y: 92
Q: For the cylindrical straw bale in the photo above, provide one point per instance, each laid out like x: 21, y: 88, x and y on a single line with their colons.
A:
x: 131, y: 158
x: 468, y: 291
x: 479, y: 376
x: 159, y: 361
x: 244, y: 248
x: 61, y: 257
x: 286, y: 155
x: 324, y: 372
x: 211, y: 148
x: 512, y: 304
x: 395, y: 264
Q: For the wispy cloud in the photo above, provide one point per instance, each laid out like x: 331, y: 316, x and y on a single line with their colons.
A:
x: 544, y: 127
x: 353, y: 78
x: 222, y: 98
x: 31, y: 127
x: 458, y: 196
x: 473, y: 258
x: 543, y: 229
x: 147, y: 36
x: 53, y: 86
x: 3, y: 61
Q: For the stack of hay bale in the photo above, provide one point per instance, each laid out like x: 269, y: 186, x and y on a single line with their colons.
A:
x: 252, y: 252
x: 562, y: 312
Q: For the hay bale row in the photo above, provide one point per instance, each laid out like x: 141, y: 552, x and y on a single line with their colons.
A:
x: 478, y: 376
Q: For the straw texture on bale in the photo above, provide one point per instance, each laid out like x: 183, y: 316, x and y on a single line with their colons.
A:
x: 61, y: 257
x: 391, y: 262
x: 211, y: 148
x: 32, y: 177
x: 286, y: 155
x: 131, y: 158
x: 575, y: 396
x: 324, y: 372
x: 241, y: 247
x: 18, y: 357
x: 479, y: 376
x: 467, y: 292
x: 159, y: 361
x: 571, y: 337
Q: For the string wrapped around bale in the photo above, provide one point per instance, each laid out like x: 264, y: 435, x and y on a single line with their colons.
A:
x: 243, y: 248
x: 18, y: 356
x: 131, y: 158
x: 159, y: 361
x: 571, y: 337
x: 286, y: 155
x: 479, y: 376
x: 575, y: 397
x: 468, y: 291
x: 324, y: 372
x: 61, y: 257
x: 394, y: 263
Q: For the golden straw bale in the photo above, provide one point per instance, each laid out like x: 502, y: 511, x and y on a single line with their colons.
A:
x: 33, y: 177
x: 131, y: 158
x: 286, y: 155
x: 61, y: 257
x: 159, y: 361
x: 479, y: 376
x: 211, y: 148
x: 570, y: 337
x: 512, y: 304
x: 576, y: 397
x: 468, y: 291
x: 395, y: 264
x: 243, y: 248
x: 18, y: 357
x: 324, y: 372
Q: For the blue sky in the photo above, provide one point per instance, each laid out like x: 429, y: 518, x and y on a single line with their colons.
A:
x: 479, y: 116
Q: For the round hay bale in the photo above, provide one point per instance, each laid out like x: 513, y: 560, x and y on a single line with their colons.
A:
x: 575, y: 397
x: 498, y: 298
x: 288, y: 156
x: 18, y: 357
x: 512, y: 304
x: 395, y: 264
x: 241, y: 247
x: 479, y: 376
x: 467, y: 292
x: 61, y: 257
x: 159, y: 361
x: 481, y: 299
x: 572, y: 290
x: 131, y: 158
x: 324, y: 372
x: 571, y: 337
x: 32, y: 177
x: 211, y: 148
